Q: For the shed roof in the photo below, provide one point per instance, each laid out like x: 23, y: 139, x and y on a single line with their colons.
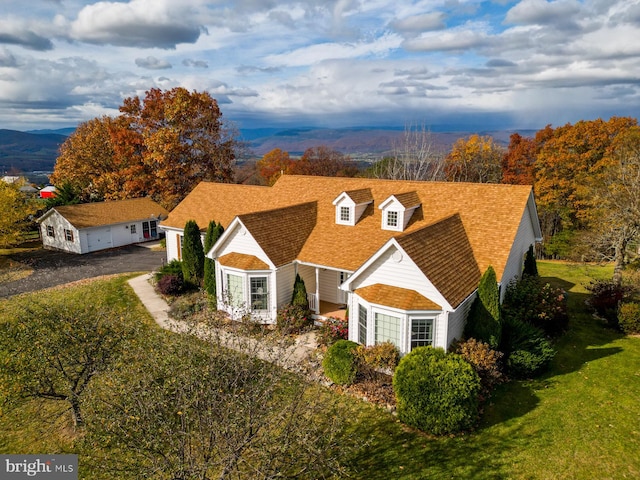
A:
x: 87, y: 215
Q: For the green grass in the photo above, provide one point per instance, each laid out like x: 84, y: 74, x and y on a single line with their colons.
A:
x: 579, y: 421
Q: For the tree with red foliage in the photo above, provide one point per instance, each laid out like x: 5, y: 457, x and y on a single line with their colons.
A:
x: 273, y: 164
x: 518, y: 161
x: 324, y: 161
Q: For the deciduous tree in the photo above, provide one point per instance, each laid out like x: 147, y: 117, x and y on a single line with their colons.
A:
x: 160, y: 146
x: 273, y: 164
x: 54, y: 350
x: 16, y: 208
x: 324, y: 161
x: 518, y: 161
x: 474, y: 159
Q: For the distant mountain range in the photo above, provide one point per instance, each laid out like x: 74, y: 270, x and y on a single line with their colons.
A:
x: 37, y: 150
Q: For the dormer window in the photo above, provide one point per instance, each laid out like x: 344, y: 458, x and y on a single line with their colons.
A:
x: 345, y: 214
x: 351, y: 205
x: 398, y: 209
x: 392, y: 219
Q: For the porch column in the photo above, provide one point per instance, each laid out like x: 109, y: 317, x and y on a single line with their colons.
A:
x: 317, y: 291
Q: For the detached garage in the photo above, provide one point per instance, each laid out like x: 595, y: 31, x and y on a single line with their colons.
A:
x: 89, y: 227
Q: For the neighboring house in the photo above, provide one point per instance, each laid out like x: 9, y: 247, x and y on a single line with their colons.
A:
x: 48, y: 192
x: 89, y: 227
x: 404, y: 258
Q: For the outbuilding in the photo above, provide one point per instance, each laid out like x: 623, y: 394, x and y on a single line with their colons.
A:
x: 89, y: 227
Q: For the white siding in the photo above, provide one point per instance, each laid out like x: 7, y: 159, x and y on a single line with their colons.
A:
x: 329, y: 280
x: 285, y: 277
x: 171, y: 242
x: 59, y: 242
x: 524, y: 238
x: 404, y: 273
x: 308, y: 274
x: 241, y: 241
x: 98, y: 238
x: 457, y: 320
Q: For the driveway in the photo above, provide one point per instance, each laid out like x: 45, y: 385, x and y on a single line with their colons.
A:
x: 51, y: 268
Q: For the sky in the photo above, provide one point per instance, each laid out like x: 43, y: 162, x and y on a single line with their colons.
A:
x: 465, y: 64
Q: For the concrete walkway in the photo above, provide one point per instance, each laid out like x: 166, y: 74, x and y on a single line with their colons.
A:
x: 294, y: 355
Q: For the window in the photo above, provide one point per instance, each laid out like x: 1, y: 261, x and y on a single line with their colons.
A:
x: 154, y: 228
x: 68, y: 235
x: 421, y: 332
x: 392, y: 219
x: 345, y: 214
x: 235, y: 290
x: 145, y: 229
x: 388, y: 329
x: 133, y: 228
x: 362, y: 325
x: 259, y: 299
x: 50, y: 231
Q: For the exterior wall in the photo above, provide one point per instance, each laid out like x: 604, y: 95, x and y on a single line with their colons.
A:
x: 241, y: 241
x: 173, y: 244
x: 285, y: 277
x: 308, y: 274
x: 329, y: 280
x: 457, y: 320
x: 525, y: 237
x: 396, y: 269
x: 439, y: 319
x: 59, y: 242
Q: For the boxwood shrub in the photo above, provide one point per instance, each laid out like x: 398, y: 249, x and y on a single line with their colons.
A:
x: 436, y: 392
x: 340, y: 363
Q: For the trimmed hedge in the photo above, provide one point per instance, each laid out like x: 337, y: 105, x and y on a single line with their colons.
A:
x: 340, y: 363
x: 436, y: 392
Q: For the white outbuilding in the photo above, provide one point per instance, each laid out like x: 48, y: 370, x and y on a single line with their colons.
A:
x: 89, y: 227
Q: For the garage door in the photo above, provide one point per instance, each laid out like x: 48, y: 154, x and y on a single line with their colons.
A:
x: 99, y: 239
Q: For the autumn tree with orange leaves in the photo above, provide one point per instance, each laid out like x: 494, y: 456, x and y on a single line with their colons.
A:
x: 324, y: 161
x: 160, y: 146
x: 273, y: 164
x: 518, y: 161
x: 474, y: 159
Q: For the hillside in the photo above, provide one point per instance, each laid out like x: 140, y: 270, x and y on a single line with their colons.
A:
x: 28, y: 152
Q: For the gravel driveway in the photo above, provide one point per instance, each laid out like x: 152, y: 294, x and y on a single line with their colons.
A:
x: 53, y: 268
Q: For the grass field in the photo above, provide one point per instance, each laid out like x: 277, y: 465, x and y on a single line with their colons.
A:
x: 579, y: 421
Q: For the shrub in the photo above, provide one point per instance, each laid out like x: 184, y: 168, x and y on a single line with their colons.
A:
x: 293, y: 319
x: 299, y: 296
x: 527, y: 351
x: 435, y: 391
x: 629, y: 318
x: 530, y: 265
x: 187, y: 305
x: 540, y: 305
x: 484, y: 360
x: 484, y: 318
x: 381, y: 356
x: 332, y: 330
x: 214, y: 231
x: 170, y: 285
x: 192, y: 254
x: 174, y: 267
x: 605, y: 299
x: 339, y: 362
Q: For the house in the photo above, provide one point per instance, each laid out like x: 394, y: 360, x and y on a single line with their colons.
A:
x: 403, y: 257
x: 89, y: 227
x: 48, y: 192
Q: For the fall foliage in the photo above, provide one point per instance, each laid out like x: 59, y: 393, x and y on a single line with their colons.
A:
x: 16, y: 207
x: 273, y: 164
x: 160, y: 146
x: 474, y: 159
x: 519, y: 160
x: 324, y: 161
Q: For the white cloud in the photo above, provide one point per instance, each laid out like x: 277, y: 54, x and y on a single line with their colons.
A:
x: 152, y: 63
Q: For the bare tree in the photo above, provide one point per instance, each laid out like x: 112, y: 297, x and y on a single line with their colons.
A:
x: 414, y: 157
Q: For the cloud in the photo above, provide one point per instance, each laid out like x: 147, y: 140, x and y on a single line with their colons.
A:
x: 139, y: 23
x: 419, y: 23
x: 249, y: 69
x: 542, y: 12
x: 15, y: 32
x: 450, y: 40
x: 188, y: 62
x: 7, y: 59
x: 152, y: 63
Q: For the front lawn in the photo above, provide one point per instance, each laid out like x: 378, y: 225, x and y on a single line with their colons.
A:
x: 579, y: 421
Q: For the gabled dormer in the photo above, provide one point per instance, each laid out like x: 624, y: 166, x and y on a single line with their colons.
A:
x: 397, y: 210
x: 351, y: 205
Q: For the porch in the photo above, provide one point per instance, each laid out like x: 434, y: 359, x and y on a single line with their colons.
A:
x: 324, y: 309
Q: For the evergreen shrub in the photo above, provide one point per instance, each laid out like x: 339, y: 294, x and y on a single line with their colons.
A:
x: 192, y: 254
x: 436, y: 392
x: 483, y: 322
x: 340, y: 363
x: 527, y: 351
